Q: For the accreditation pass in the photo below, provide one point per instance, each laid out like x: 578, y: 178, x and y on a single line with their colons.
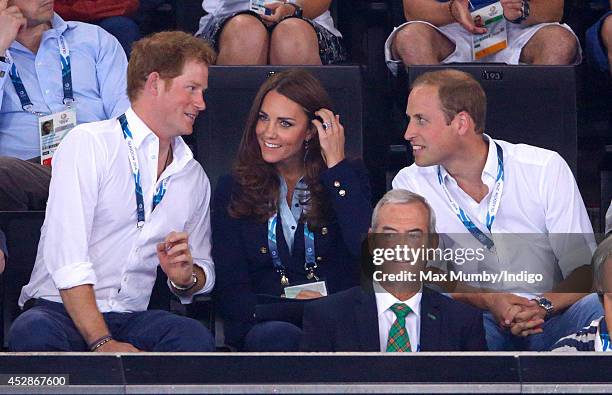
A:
x: 53, y: 128
x: 495, y: 39
x: 259, y: 6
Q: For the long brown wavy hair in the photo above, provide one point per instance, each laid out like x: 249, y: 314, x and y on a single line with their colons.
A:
x: 258, y: 182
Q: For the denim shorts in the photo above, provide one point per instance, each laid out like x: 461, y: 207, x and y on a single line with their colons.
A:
x: 331, y: 49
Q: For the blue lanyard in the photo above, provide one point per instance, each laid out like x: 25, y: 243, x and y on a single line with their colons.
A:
x: 493, y: 203
x: 605, y: 337
x: 24, y: 98
x: 310, y: 263
x: 133, y: 156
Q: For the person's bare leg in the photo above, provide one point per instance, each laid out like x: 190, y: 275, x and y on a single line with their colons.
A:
x: 244, y: 40
x: 551, y: 45
x: 418, y: 43
x: 293, y: 42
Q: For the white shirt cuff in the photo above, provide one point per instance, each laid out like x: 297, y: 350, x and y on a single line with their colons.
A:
x: 74, y: 274
x: 207, y: 288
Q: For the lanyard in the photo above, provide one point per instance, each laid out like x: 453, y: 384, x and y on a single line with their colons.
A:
x: 133, y: 156
x: 491, y: 209
x: 24, y: 98
x: 604, y: 336
x: 309, y: 265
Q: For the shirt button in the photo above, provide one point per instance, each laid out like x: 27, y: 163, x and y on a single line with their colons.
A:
x: 342, y: 192
x: 263, y: 250
x: 336, y: 183
x: 292, y: 227
x: 46, y: 91
x: 319, y: 259
x: 297, y: 205
x: 323, y: 230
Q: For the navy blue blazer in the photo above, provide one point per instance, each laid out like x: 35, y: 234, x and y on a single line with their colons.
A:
x: 243, y: 264
x: 348, y: 321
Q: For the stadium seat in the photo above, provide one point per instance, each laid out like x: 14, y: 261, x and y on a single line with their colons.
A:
x: 231, y: 90
x: 22, y: 230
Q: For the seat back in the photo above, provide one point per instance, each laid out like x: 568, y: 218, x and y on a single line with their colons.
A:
x: 22, y: 230
x: 230, y: 93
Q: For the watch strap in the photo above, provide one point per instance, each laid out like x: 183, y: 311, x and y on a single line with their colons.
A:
x: 545, y: 304
x: 194, y: 281
x: 525, y: 12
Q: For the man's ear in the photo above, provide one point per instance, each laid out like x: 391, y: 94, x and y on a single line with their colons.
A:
x: 153, y: 83
x: 463, y: 123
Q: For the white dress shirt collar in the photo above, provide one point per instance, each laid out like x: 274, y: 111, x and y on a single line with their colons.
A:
x: 140, y: 132
x: 384, y: 301
x: 489, y: 172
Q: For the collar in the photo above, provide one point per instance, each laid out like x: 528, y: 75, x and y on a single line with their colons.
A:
x: 141, y: 132
x: 300, y: 185
x: 490, y: 167
x: 384, y: 300
x: 59, y: 25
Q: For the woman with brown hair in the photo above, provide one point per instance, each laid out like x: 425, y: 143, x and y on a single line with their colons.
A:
x: 293, y: 212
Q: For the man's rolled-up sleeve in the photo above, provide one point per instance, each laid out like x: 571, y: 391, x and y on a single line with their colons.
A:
x: 73, y: 196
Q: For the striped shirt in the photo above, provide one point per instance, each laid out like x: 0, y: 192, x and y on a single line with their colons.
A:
x: 586, y: 339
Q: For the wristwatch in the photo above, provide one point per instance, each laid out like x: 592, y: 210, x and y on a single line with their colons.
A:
x: 525, y: 11
x: 545, y: 304
x: 194, y: 281
x: 298, y: 10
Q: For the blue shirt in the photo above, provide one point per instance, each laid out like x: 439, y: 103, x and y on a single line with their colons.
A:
x: 99, y: 68
x: 290, y: 216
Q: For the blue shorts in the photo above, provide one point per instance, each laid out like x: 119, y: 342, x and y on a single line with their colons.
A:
x: 331, y: 49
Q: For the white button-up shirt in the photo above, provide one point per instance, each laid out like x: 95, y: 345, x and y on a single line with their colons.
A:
x: 541, y: 225
x: 386, y: 317
x: 90, y: 233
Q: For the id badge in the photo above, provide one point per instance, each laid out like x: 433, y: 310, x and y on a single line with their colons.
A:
x: 319, y: 286
x: 496, y: 38
x: 259, y: 6
x: 52, y: 129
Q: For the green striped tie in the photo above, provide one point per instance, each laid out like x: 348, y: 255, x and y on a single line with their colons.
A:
x: 398, y: 335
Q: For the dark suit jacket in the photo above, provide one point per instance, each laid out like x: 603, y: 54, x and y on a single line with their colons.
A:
x: 3, y: 243
x: 243, y: 264
x: 348, y: 321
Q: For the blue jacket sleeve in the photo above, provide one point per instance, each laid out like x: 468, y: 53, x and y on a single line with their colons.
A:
x: 348, y: 189
x: 233, y: 296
